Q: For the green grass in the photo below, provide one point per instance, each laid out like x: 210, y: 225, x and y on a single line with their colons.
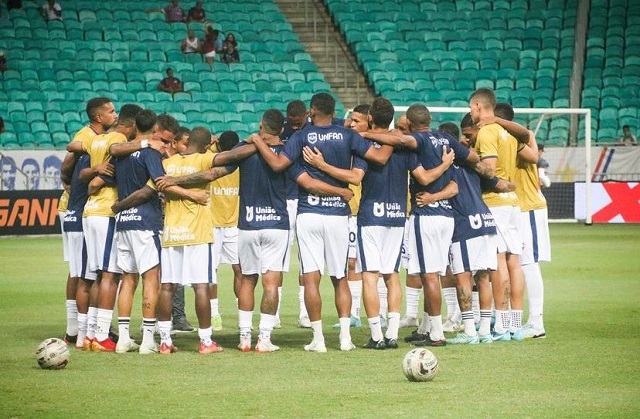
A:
x: 588, y: 366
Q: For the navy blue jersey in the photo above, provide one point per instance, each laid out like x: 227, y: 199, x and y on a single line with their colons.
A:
x: 337, y: 145
x: 78, y: 195
x: 287, y: 132
x: 384, y: 191
x: 430, y: 145
x: 471, y: 215
x: 132, y: 173
x: 263, y: 194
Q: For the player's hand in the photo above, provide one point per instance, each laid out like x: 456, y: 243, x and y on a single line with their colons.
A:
x: 164, y: 182
x: 424, y: 198
x: 200, y: 197
x: 158, y: 146
x: 313, y: 156
x: 252, y: 139
x: 347, y: 194
x: 105, y: 169
x: 116, y: 207
x: 448, y: 155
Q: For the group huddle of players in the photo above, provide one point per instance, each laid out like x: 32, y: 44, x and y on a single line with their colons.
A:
x: 146, y: 199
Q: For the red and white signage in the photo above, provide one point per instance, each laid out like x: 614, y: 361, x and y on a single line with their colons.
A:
x: 611, y: 202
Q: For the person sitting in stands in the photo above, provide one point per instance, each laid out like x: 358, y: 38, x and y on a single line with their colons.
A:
x: 196, y: 13
x: 170, y: 84
x: 191, y: 44
x: 52, y: 11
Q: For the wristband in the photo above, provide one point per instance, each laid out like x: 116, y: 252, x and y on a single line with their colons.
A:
x: 144, y: 143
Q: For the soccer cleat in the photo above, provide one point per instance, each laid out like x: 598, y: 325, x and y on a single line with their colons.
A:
x: 346, y: 345
x: 353, y: 322
x: 167, y: 349
x: 182, y: 326
x: 409, y: 322
x: 451, y: 326
x: 216, y: 322
x: 124, y: 346
x: 529, y: 332
x: 415, y: 336
x: 265, y: 345
x: 106, y: 345
x: 70, y: 339
x: 391, y: 343
x: 86, y: 344
x: 149, y: 349
x: 501, y: 337
x: 485, y: 338
x: 462, y: 338
x: 209, y: 349
x: 304, y: 322
x: 372, y: 344
x: 429, y: 342
x: 315, y: 347
x: 245, y: 343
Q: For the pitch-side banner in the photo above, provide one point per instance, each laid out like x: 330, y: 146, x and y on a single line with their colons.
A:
x: 567, y: 164
x: 611, y: 202
x: 29, y: 212
x: 30, y: 170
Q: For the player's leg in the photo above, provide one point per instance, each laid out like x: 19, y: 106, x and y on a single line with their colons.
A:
x: 268, y: 309
x: 394, y: 302
x: 128, y: 286
x: 82, y: 300
x: 150, y: 297
x: 413, y: 284
x: 464, y: 287
x: 485, y: 296
x: 372, y: 309
x: 171, y: 258
x: 246, y: 304
x: 500, y: 287
x: 197, y: 259
x: 449, y: 294
x: 178, y: 315
x: 71, y: 332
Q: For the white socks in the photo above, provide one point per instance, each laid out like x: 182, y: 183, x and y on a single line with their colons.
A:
x: 356, y: 297
x: 267, y: 322
x: 214, y: 307
x: 103, y: 324
x: 503, y: 321
x: 164, y: 328
x: 82, y: 329
x: 148, y: 328
x: 535, y: 293
x: 468, y: 323
x: 425, y: 325
x: 382, y: 293
x: 205, y: 335
x: 123, y: 328
x: 413, y: 298
x: 316, y: 326
x: 436, y: 332
x: 393, y: 324
x: 376, y: 329
x: 92, y: 318
x: 245, y: 320
x: 72, y: 318
x: 303, y: 308
x: 451, y: 299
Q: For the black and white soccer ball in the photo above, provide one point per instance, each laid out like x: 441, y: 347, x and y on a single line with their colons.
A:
x: 52, y: 354
x: 420, y: 364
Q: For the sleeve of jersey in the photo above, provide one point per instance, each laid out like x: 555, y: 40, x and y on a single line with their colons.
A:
x: 461, y: 151
x: 109, y: 180
x: 359, y: 146
x: 359, y: 163
x: 151, y: 185
x: 207, y: 161
x: 116, y: 138
x: 293, y: 147
x: 486, y: 145
x: 412, y: 161
x: 153, y: 161
x: 488, y: 184
x: 295, y: 170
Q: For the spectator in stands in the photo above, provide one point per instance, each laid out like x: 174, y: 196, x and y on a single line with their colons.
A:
x: 1, y: 125
x: 230, y: 53
x: 196, y: 13
x: 627, y: 137
x: 543, y: 166
x: 191, y: 44
x: 172, y: 13
x: 50, y: 178
x: 170, y: 84
x: 31, y: 171
x: 52, y: 11
x: 9, y: 169
x: 3, y: 62
x: 212, y: 44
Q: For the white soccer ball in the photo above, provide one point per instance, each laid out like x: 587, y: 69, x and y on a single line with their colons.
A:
x: 420, y: 364
x: 52, y: 354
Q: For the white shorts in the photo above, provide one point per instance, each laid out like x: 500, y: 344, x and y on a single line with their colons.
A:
x: 78, y: 256
x: 292, y: 210
x: 263, y: 250
x: 353, y: 236
x: 535, y: 233
x: 405, y: 245
x: 188, y: 265
x: 138, y: 250
x: 210, y: 54
x: 379, y: 249
x: 475, y: 254
x: 323, y: 238
x: 225, y: 246
x: 65, y: 237
x: 100, y: 236
x: 508, y: 226
x: 429, y: 243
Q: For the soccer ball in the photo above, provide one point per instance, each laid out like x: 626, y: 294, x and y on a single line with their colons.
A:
x: 52, y: 354
x: 420, y: 364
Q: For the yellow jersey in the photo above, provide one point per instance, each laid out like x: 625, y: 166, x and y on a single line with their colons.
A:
x: 98, y: 149
x: 185, y: 222
x: 494, y: 141
x: 225, y: 200
x: 85, y: 133
x: 354, y: 204
x: 528, y: 187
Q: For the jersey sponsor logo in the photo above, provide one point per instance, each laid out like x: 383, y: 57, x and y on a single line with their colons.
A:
x: 218, y: 191
x: 326, y: 201
x: 261, y: 214
x: 440, y: 204
x: 436, y: 141
x: 176, y: 170
x: 70, y: 216
x: 178, y: 234
x: 388, y: 210
x: 130, y: 214
x: 314, y: 137
x: 477, y: 221
x: 136, y: 154
x: 98, y: 144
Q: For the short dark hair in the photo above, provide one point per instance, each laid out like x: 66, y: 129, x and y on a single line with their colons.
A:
x: 450, y: 128
x: 145, y: 120
x: 128, y: 113
x: 200, y: 137
x: 362, y: 108
x: 94, y: 104
x: 296, y: 108
x: 273, y: 121
x: 504, y: 111
x: 324, y: 103
x: 540, y: 147
x: 419, y: 115
x: 52, y: 160
x: 623, y: 127
x: 228, y: 140
x: 168, y: 123
x: 466, y: 121
x: 181, y: 132
x: 381, y: 112
x: 485, y: 95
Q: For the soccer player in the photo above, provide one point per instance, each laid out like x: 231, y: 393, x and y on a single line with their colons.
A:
x: 322, y: 224
x: 535, y: 231
x: 431, y: 225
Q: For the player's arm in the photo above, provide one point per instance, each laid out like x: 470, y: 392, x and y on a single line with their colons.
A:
x: 105, y: 169
x: 519, y: 132
x: 529, y: 152
x: 95, y: 185
x: 277, y: 162
x: 497, y: 184
x: 68, y: 164
x: 314, y: 158
x: 134, y: 199
x: 75, y: 147
x: 449, y: 191
x: 198, y: 179
x: 320, y: 188
x: 124, y: 149
x: 393, y: 138
x: 425, y: 177
x: 199, y: 196
x: 235, y: 155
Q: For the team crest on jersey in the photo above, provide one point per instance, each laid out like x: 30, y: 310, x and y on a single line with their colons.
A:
x: 312, y: 137
x: 313, y: 200
x: 249, y: 211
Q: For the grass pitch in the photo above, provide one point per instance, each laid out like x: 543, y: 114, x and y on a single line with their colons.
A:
x: 588, y: 366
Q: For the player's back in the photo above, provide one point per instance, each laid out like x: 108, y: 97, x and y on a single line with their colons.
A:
x: 225, y: 199
x: 493, y: 141
x: 527, y: 184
